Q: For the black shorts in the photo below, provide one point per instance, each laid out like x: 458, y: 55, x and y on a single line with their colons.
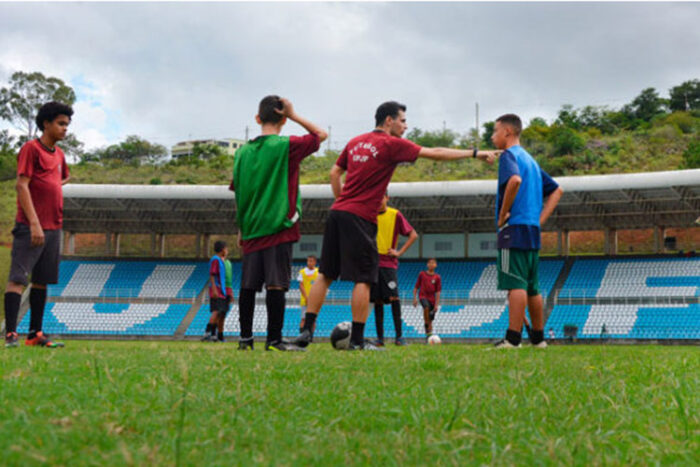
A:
x: 387, y: 287
x: 271, y: 266
x: 217, y: 305
x: 349, y: 248
x: 39, y: 261
x: 425, y: 303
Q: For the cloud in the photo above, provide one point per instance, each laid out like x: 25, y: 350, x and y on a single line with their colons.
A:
x: 171, y: 71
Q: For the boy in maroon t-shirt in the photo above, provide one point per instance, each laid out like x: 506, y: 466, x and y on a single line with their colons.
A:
x: 349, y: 248
x: 430, y: 285
x: 41, y: 173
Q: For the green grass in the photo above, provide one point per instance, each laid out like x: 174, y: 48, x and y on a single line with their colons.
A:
x: 182, y: 403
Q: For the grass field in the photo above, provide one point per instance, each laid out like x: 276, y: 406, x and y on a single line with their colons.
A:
x: 184, y: 403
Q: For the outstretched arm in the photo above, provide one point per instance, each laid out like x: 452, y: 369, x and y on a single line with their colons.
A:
x: 412, y: 237
x: 289, y: 112
x: 448, y: 154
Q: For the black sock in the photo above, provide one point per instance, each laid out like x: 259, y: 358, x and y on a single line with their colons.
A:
x: 208, y: 330
x: 37, y: 302
x: 309, y: 321
x: 246, y: 308
x: 357, y: 335
x: 514, y: 337
x: 396, y: 314
x: 220, y: 336
x: 12, y: 302
x: 275, y: 302
x: 379, y: 320
x: 536, y: 336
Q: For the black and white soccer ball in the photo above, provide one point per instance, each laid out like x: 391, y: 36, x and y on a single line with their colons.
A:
x: 340, y: 336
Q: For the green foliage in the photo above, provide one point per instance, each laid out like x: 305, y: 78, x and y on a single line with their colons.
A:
x: 133, y: 150
x: 685, y: 97
x: 186, y: 403
x: 565, y: 140
x: 691, y: 156
x: 20, y: 102
x: 647, y: 105
x: 8, y: 156
x: 431, y: 139
x: 207, y: 151
x: 486, y: 142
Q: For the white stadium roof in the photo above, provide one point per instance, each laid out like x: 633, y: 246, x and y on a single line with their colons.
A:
x: 596, y: 202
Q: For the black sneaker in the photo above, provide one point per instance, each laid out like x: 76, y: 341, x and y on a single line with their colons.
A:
x: 245, y: 345
x: 11, y: 340
x: 303, y: 339
x: 366, y: 345
x: 283, y: 346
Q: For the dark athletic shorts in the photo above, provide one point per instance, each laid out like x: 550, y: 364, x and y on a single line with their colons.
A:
x: 349, y: 248
x: 271, y: 266
x: 387, y: 287
x: 425, y: 303
x: 218, y: 305
x: 41, y: 262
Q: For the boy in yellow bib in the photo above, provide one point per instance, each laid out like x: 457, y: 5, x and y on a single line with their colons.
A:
x: 306, y: 277
x: 390, y: 224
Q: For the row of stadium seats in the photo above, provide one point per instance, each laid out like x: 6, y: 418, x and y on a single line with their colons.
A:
x: 628, y: 321
x: 627, y: 278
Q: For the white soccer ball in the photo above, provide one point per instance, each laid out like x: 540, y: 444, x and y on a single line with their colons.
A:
x: 340, y: 336
x: 434, y: 340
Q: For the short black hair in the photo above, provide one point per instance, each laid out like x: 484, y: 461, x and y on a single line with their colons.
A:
x: 512, y: 120
x: 311, y: 256
x: 49, y: 111
x: 266, y: 109
x: 388, y: 109
x: 219, y: 246
x: 431, y: 259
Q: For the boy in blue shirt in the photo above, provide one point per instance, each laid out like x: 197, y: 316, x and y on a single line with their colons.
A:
x: 526, y: 198
x: 218, y: 302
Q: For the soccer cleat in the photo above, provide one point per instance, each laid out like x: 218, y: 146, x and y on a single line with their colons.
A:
x: 42, y: 340
x: 11, y: 340
x: 400, y: 342
x: 540, y: 345
x: 303, y: 339
x: 378, y: 343
x: 505, y: 344
x: 366, y: 345
x: 245, y: 345
x: 283, y: 346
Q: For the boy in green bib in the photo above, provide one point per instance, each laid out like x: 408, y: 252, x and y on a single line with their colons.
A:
x: 268, y: 210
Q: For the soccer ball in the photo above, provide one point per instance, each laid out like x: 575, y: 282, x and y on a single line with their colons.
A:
x: 434, y: 340
x: 340, y: 336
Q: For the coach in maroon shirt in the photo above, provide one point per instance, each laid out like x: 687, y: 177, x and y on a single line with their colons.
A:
x: 41, y: 173
x: 349, y: 248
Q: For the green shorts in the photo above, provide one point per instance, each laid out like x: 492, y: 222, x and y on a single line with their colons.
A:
x: 518, y: 269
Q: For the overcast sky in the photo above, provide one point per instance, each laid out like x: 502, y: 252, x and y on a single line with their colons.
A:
x: 171, y: 72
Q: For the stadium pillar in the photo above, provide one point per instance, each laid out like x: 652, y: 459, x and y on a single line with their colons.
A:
x: 162, y: 245
x: 420, y: 246
x: 117, y: 243
x: 69, y: 248
x: 659, y: 234
x: 611, y: 242
x: 563, y: 243
x: 153, y: 244
x: 108, y: 243
x: 198, y: 246
x: 207, y: 241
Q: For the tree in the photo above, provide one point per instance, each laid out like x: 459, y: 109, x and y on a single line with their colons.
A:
x: 207, y: 151
x: 566, y: 141
x: 20, y: 102
x: 133, y: 150
x: 685, y: 97
x: 8, y: 156
x: 431, y: 139
x: 568, y: 117
x: 488, y: 133
x: 647, y: 105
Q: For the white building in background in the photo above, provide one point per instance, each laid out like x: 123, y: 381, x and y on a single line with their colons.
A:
x: 185, y: 148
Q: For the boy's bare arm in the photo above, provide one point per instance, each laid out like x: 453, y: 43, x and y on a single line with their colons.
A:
x: 336, y: 180
x: 549, y: 204
x: 25, y: 201
x: 289, y: 112
x: 512, y: 187
x: 448, y: 154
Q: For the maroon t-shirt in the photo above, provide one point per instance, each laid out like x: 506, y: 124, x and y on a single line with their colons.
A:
x: 429, y: 285
x: 370, y: 160
x: 401, y: 227
x: 47, y: 170
x: 300, y: 147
